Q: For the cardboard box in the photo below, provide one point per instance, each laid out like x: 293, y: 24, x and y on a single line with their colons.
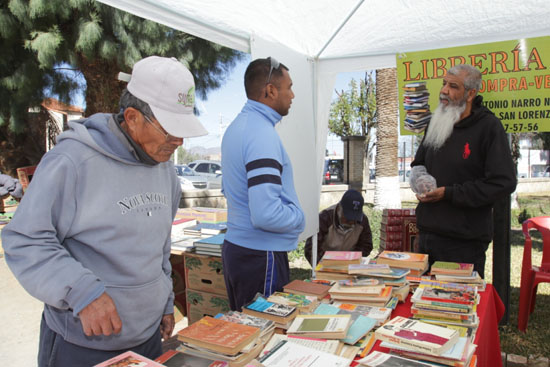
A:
x: 178, y: 273
x: 207, y: 215
x: 200, y: 304
x: 180, y: 303
x: 204, y: 273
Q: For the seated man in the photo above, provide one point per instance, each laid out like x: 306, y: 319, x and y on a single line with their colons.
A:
x: 343, y: 227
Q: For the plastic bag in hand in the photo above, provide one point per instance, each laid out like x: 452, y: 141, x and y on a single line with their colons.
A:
x: 421, y: 181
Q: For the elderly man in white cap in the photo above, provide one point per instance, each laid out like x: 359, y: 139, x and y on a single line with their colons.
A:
x: 91, y: 238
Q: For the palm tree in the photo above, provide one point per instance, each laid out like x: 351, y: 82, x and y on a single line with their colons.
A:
x: 386, y: 194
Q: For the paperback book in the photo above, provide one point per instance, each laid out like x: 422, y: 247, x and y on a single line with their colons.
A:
x: 219, y: 335
x: 419, y: 336
x: 299, y: 286
x: 287, y: 354
x: 341, y: 258
x: 321, y: 326
x: 408, y: 260
x: 379, y: 359
x: 129, y: 358
x: 360, y: 325
x: 276, y: 312
x: 452, y: 268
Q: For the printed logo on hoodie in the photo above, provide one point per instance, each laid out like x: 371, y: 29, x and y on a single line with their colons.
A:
x: 128, y: 204
x: 467, y: 151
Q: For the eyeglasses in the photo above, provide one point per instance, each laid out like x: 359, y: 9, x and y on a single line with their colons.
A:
x: 274, y: 65
x: 166, y: 135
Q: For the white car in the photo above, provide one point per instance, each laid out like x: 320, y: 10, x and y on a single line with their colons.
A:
x: 212, y: 170
x: 188, y: 179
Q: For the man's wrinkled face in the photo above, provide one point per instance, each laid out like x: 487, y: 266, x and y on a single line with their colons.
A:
x: 156, y: 142
x: 453, y: 91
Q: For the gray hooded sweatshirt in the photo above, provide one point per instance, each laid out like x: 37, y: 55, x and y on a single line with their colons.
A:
x: 94, y: 219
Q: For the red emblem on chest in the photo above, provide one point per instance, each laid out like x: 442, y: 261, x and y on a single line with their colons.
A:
x: 467, y: 151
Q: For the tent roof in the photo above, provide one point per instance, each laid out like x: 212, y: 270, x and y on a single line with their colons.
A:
x: 349, y: 29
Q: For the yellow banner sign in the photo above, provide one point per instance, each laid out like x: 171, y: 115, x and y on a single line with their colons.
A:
x: 515, y: 86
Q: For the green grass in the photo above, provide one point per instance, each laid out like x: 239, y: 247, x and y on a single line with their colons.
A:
x: 536, y: 341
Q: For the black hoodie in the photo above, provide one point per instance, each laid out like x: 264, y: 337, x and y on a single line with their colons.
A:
x: 476, y: 168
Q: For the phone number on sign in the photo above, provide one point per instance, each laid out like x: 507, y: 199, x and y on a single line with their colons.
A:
x: 521, y: 127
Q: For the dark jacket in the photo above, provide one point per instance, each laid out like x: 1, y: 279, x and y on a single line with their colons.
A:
x: 476, y: 168
x: 358, y: 239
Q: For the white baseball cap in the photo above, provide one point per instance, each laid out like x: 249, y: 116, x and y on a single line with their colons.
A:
x: 169, y: 89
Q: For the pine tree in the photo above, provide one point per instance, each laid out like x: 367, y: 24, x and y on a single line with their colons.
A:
x: 43, y: 40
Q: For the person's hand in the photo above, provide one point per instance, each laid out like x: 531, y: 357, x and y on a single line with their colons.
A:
x: 100, y: 317
x: 432, y: 196
x: 167, y: 326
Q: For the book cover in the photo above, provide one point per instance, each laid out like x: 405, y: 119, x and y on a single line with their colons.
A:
x: 410, y: 260
x: 410, y: 234
x: 445, y: 295
x: 261, y: 307
x: 129, y: 359
x: 287, y: 354
x: 395, y: 273
x: 213, y: 228
x: 363, y: 282
x: 324, y: 345
x: 341, y: 257
x: 321, y: 326
x: 298, y: 286
x: 380, y: 314
x: 337, y: 289
x: 419, y: 336
x: 360, y: 325
x: 219, y: 335
x: 241, y: 318
x: 212, y: 240
x: 174, y: 358
x: 379, y: 359
x: 305, y: 304
x: 452, y: 268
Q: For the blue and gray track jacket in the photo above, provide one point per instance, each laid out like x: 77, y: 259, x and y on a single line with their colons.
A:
x: 263, y: 209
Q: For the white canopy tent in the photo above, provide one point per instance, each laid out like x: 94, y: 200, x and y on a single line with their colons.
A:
x: 317, y: 39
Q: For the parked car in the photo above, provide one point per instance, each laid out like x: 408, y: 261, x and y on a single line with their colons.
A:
x: 333, y: 171
x: 212, y: 170
x: 188, y: 179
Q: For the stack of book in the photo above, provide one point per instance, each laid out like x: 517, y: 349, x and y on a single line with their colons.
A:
x: 210, y: 246
x: 425, y: 342
x: 376, y: 294
x: 282, y: 315
x: 334, y: 264
x: 223, y: 340
x: 383, y: 274
x: 415, y: 262
x: 307, y: 288
x: 457, y: 273
x: 304, y: 304
x: 398, y: 230
x: 417, y: 109
x: 181, y: 241
x: 451, y: 305
x: 360, y: 324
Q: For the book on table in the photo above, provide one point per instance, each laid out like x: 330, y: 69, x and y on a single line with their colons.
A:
x: 341, y: 258
x: 299, y: 286
x: 374, y: 299
x: 380, y: 359
x: 360, y: 325
x: 219, y: 335
x: 419, y: 336
x: 339, y: 290
x: 321, y: 326
x: 380, y: 314
x: 332, y: 346
x: 304, y: 304
x: 174, y: 358
x: 266, y: 326
x: 359, y: 282
x: 452, y: 268
x: 408, y: 260
x: 129, y: 358
x: 276, y: 312
x: 463, y: 297
x: 286, y: 354
x: 370, y: 268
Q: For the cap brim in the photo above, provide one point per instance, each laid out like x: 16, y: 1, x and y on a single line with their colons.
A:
x: 180, y: 125
x: 352, y: 215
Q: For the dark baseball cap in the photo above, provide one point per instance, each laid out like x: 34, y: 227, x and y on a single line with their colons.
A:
x: 352, y: 205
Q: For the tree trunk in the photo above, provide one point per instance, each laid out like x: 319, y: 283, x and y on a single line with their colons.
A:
x: 103, y: 89
x: 386, y: 193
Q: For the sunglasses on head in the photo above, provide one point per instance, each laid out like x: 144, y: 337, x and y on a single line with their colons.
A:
x: 274, y: 65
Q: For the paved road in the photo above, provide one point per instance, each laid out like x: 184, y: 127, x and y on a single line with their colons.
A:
x: 20, y: 320
x: 21, y: 315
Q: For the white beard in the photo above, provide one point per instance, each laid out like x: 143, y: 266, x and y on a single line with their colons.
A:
x: 442, y: 123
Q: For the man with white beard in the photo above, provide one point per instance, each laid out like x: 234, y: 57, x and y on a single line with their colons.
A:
x: 465, y: 149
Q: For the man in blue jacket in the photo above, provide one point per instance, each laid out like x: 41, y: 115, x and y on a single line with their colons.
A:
x: 264, y: 216
x: 91, y: 237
